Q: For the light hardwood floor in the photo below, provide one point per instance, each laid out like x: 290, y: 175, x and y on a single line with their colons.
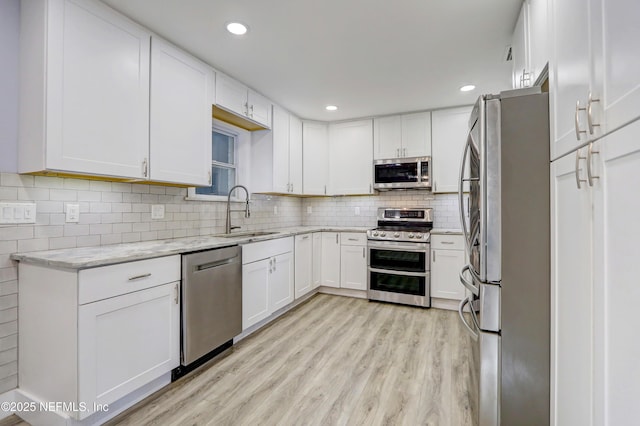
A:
x: 331, y: 361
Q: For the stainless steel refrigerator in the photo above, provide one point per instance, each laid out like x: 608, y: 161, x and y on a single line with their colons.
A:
x: 506, y: 223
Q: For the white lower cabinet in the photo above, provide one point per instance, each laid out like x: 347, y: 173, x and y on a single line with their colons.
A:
x: 267, y: 279
x: 317, y: 260
x: 447, y: 259
x: 96, y: 335
x: 330, y: 259
x: 353, y: 261
x: 303, y: 264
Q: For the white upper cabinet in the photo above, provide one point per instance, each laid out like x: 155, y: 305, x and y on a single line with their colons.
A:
x: 277, y: 155
x: 619, y: 93
x: 315, y: 158
x: 351, y: 158
x: 84, y: 90
x: 406, y: 135
x: 180, y: 126
x: 450, y: 130
x: 529, y: 43
x: 234, y: 97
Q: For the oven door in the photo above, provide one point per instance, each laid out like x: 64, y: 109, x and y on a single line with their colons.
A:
x: 399, y: 257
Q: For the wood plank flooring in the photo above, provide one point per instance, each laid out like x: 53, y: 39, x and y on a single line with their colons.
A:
x: 331, y: 361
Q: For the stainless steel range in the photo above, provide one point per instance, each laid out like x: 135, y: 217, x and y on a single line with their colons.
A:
x: 399, y: 256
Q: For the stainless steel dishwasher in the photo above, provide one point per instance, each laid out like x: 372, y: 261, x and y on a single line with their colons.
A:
x: 211, y: 304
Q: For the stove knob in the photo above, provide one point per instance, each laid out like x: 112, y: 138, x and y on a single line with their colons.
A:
x: 410, y: 235
x: 375, y: 234
x: 383, y: 234
x: 418, y: 235
x: 397, y: 235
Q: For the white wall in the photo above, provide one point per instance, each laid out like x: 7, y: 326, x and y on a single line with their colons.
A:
x: 9, y: 60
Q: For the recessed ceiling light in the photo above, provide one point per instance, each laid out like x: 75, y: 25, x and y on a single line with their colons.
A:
x: 331, y: 107
x: 236, y: 28
x: 467, y: 88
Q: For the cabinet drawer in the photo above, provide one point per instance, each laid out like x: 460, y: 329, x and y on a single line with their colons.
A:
x: 447, y: 242
x: 114, y: 280
x: 264, y: 249
x: 353, y: 238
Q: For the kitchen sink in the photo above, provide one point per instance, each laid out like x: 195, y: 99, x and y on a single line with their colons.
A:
x: 246, y: 234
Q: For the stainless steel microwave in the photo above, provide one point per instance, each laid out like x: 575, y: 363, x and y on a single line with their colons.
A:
x: 402, y: 173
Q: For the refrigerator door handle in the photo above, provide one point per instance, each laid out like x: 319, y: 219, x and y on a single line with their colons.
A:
x: 469, y: 285
x: 463, y: 163
x: 463, y: 303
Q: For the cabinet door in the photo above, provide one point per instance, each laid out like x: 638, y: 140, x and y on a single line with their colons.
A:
x: 520, y: 50
x: 330, y: 259
x: 572, y: 296
x: 416, y: 134
x: 353, y: 267
x: 387, y: 137
x: 617, y: 228
x: 255, y: 292
x: 620, y: 96
x: 317, y: 259
x: 304, y: 265
x: 281, y: 291
x: 97, y: 91
x: 259, y: 109
x: 538, y: 37
x: 351, y: 157
x: 127, y: 341
x: 445, y: 267
x: 315, y: 158
x: 450, y: 130
x: 231, y: 95
x: 180, y: 129
x: 295, y: 154
x: 280, y: 134
x: 569, y: 73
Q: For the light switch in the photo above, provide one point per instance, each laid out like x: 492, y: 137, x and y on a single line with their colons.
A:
x: 30, y: 213
x: 7, y: 213
x: 17, y: 213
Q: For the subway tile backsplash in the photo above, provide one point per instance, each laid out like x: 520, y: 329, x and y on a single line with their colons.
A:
x: 114, y: 213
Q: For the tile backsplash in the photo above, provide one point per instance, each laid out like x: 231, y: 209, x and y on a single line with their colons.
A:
x: 113, y: 213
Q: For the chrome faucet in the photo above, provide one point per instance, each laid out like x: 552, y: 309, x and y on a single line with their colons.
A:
x: 246, y: 211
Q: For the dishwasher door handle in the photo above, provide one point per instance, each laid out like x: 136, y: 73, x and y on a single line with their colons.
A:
x: 215, y: 264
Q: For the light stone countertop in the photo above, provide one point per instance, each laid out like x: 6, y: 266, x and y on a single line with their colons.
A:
x: 90, y: 257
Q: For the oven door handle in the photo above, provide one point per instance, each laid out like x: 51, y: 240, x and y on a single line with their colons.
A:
x: 396, y: 272
x: 469, y: 285
x: 463, y: 303
x: 411, y: 247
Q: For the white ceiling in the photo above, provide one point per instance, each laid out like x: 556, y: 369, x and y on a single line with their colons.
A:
x: 369, y: 57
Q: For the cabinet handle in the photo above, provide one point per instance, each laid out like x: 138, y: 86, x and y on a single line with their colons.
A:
x: 404, y: 152
x: 352, y: 239
x: 577, y: 171
x: 145, y: 167
x: 246, y: 109
x: 577, y: 120
x: 435, y: 186
x: 210, y: 177
x: 336, y: 238
x: 370, y: 189
x: 590, y: 176
x: 305, y: 237
x: 363, y: 254
x: 275, y: 264
x: 325, y: 190
x: 138, y: 277
x: 251, y: 111
x: 175, y: 298
x: 433, y: 255
x: 590, y: 123
x: 397, y: 152
x: 271, y: 265
x: 446, y: 242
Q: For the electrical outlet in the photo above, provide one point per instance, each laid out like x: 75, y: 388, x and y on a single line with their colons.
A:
x: 357, y: 211
x: 309, y: 209
x: 157, y: 211
x: 73, y: 213
x: 275, y: 209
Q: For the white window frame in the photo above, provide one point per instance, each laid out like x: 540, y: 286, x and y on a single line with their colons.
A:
x: 241, y: 137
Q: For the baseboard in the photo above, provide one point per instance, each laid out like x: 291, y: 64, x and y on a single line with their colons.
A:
x: 359, y: 294
x: 38, y: 417
x: 7, y: 398
x: 449, y: 304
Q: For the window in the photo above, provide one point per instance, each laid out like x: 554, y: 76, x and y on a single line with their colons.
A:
x: 223, y: 166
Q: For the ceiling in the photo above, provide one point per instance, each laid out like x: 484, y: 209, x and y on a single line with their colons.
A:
x: 368, y: 57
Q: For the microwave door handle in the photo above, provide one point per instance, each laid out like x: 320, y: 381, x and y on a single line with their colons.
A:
x: 463, y: 303
x: 463, y: 163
